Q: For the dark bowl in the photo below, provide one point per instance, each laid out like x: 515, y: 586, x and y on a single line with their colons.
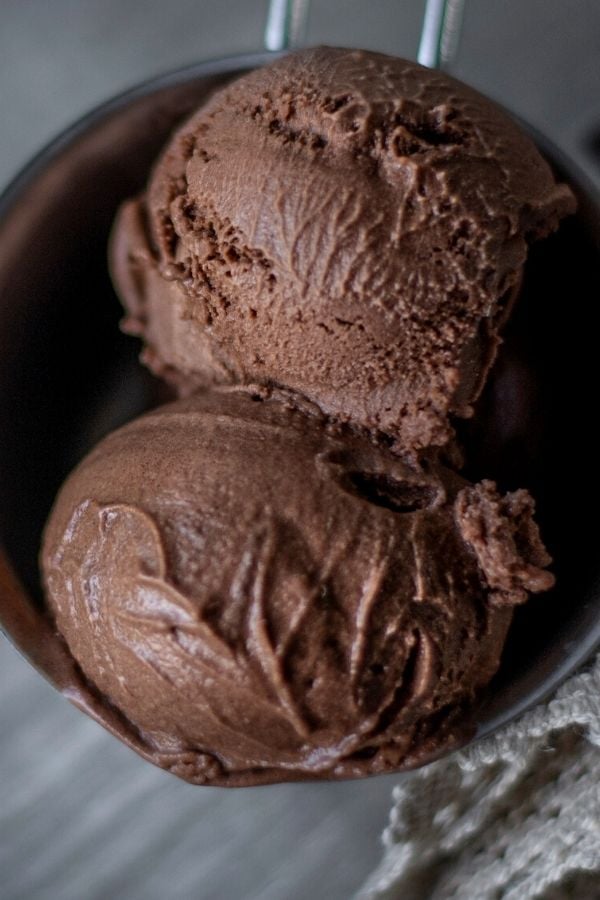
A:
x: 68, y: 376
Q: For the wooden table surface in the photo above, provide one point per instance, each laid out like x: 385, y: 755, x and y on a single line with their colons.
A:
x: 81, y: 817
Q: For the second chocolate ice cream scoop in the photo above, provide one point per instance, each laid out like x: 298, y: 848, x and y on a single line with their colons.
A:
x: 263, y: 599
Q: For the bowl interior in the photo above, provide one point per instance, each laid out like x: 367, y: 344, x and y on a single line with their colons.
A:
x: 68, y: 376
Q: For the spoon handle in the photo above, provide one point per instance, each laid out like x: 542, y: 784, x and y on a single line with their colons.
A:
x: 286, y: 24
x: 440, y: 33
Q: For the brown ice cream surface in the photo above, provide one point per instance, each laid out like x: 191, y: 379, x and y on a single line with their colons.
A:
x: 266, y: 597
x: 282, y: 577
x: 343, y: 223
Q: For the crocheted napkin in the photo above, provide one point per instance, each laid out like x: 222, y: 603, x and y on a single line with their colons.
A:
x: 513, y: 817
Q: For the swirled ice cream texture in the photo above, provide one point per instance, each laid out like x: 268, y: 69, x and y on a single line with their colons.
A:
x: 342, y: 223
x: 265, y: 598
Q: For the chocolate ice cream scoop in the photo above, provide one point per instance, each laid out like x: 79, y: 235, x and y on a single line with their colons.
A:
x: 347, y: 224
x: 265, y: 597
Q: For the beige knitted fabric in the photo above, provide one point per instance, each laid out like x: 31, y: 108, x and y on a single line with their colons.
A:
x: 514, y: 817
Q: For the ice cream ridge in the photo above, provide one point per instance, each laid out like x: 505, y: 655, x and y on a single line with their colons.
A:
x: 282, y: 575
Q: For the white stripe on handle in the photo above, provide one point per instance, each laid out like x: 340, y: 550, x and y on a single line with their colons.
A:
x: 440, y: 34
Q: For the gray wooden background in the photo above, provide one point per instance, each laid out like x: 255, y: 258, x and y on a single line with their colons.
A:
x: 81, y: 818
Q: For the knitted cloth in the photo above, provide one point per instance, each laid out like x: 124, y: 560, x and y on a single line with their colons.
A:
x: 513, y: 817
